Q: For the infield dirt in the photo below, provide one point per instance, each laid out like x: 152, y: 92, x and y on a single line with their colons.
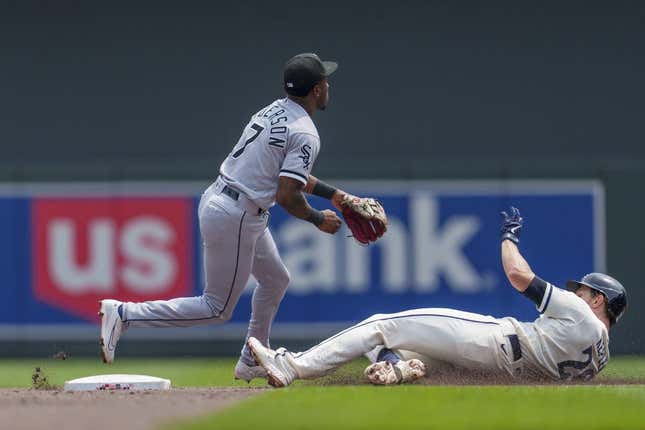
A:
x: 31, y: 409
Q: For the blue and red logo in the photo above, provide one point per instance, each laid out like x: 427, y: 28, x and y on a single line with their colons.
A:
x: 126, y: 248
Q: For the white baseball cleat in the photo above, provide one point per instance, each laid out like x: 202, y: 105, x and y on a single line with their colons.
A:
x: 279, y: 372
x: 386, y: 373
x: 111, y: 328
x: 247, y: 373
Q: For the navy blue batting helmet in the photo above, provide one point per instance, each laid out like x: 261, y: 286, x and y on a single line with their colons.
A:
x: 613, y: 291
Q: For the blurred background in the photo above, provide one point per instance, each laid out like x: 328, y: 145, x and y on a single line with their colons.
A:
x: 115, y: 114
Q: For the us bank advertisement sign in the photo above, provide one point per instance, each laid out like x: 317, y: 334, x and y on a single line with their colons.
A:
x: 66, y: 246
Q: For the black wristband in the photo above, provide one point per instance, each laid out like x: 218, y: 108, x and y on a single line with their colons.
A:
x: 535, y: 291
x: 316, y: 217
x: 323, y: 190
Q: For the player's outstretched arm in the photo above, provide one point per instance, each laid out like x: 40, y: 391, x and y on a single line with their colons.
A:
x: 291, y: 198
x: 517, y: 269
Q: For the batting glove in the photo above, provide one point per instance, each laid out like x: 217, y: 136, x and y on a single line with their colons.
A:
x: 511, y: 225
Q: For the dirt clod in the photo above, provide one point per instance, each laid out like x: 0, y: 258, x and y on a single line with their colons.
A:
x: 61, y: 355
x: 39, y: 380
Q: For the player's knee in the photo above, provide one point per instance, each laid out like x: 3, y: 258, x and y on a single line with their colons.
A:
x: 225, y: 315
x: 278, y: 288
x: 212, y: 303
x: 279, y: 279
x: 285, y: 277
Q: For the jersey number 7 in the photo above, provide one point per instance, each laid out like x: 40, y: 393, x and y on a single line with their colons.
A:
x: 258, y: 129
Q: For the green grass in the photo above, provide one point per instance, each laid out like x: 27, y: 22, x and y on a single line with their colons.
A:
x: 627, y: 367
x: 183, y: 372
x: 322, y: 406
x: 190, y: 372
x: 344, y: 401
x: 211, y: 372
x: 447, y: 407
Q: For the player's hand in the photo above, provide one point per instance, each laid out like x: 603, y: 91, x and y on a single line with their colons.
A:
x: 511, y: 225
x: 332, y: 223
x: 338, y: 198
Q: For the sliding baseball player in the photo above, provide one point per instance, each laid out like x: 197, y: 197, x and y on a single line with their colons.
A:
x: 568, y: 341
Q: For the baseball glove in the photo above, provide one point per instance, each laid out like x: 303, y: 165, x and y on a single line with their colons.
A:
x: 365, y: 217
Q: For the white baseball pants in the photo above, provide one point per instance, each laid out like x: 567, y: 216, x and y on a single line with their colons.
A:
x: 462, y: 338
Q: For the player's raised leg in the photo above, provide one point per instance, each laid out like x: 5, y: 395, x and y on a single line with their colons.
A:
x: 229, y: 235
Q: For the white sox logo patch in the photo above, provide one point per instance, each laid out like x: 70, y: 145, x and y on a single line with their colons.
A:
x: 306, y: 155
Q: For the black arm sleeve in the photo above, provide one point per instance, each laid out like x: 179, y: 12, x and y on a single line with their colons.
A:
x: 536, y: 290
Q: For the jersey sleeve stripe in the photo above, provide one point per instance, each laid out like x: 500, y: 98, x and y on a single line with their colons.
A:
x: 294, y: 175
x: 547, y: 298
x: 291, y: 172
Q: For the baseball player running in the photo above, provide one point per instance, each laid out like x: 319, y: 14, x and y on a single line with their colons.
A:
x: 270, y: 163
x: 568, y: 341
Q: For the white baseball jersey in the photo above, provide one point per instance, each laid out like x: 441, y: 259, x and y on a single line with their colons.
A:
x: 279, y: 140
x: 567, y: 340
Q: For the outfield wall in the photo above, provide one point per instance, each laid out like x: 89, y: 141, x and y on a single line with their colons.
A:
x: 68, y: 245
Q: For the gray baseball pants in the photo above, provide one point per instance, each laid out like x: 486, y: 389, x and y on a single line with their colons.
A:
x: 236, y: 243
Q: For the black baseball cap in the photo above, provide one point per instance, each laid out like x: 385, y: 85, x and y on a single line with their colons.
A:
x: 304, y: 71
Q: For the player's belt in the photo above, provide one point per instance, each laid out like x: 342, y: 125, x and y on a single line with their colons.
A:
x: 235, y: 195
x: 514, y: 341
x: 230, y: 192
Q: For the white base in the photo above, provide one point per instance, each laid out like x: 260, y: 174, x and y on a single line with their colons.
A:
x: 117, y: 383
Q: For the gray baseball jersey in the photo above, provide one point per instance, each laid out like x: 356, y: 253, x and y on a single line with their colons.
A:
x: 279, y: 140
